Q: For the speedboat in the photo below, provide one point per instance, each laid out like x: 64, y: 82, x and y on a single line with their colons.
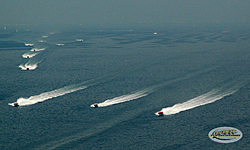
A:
x: 160, y: 113
x: 15, y: 104
x: 96, y: 105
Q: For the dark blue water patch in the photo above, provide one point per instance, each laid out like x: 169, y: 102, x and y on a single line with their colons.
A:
x: 166, y: 38
x: 216, y: 37
x: 183, y: 41
x: 79, y: 44
x: 2, y: 36
x: 128, y: 42
x: 10, y: 44
x: 4, y: 95
x: 112, y: 47
x: 14, y: 49
x: 200, y: 38
x: 173, y: 146
x: 228, y: 40
x: 56, y: 119
x: 209, y: 41
x: 136, y: 40
x: 244, y: 38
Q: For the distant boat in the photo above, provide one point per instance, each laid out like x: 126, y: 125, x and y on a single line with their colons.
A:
x: 96, y: 105
x: 79, y: 40
x: 29, y: 44
x: 160, y: 113
x: 16, y: 104
x: 41, y: 41
x: 60, y: 44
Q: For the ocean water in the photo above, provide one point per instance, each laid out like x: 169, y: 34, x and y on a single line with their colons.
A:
x: 198, y: 77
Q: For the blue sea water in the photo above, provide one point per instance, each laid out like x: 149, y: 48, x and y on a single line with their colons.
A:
x: 198, y: 76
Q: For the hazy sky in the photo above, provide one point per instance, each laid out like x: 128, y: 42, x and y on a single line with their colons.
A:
x: 98, y: 12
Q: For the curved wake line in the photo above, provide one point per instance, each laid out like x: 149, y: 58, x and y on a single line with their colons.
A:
x: 29, y: 44
x: 125, y: 98
x: 47, y: 95
x: 37, y: 49
x: 210, y: 97
x: 30, y: 65
x: 29, y: 55
x: 146, y: 91
x: 55, y: 93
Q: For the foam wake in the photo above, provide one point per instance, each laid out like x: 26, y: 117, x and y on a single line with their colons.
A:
x: 29, y: 55
x: 146, y: 91
x: 210, y: 97
x: 125, y: 98
x: 58, y: 92
x: 29, y: 44
x: 60, y: 44
x: 37, y: 49
x: 48, y: 95
x: 30, y: 65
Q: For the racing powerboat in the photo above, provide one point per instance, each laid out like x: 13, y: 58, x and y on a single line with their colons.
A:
x: 15, y: 104
x: 96, y: 105
x: 160, y: 113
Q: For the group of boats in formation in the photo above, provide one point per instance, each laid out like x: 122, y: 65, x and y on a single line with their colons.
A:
x: 160, y: 113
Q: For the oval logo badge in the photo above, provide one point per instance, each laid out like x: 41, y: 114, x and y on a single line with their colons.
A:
x: 225, y: 134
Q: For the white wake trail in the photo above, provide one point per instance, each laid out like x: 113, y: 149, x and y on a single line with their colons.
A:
x: 125, y: 98
x: 146, y: 91
x: 30, y: 65
x: 37, y: 49
x: 29, y: 44
x: 29, y: 55
x: 204, y: 99
x: 48, y: 95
